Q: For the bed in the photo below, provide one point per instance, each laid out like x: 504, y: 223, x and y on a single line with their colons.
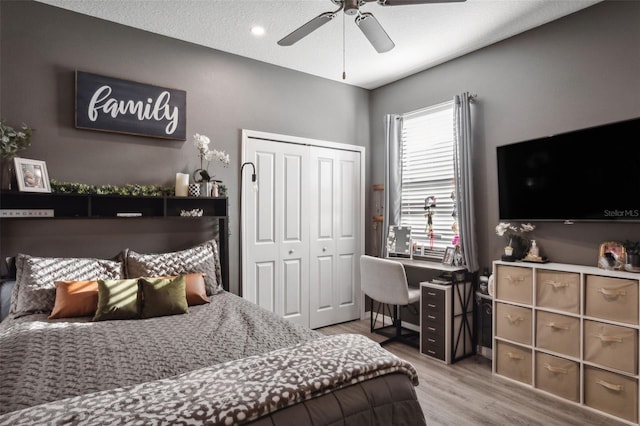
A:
x: 218, y: 359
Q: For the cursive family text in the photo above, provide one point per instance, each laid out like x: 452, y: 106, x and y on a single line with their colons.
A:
x: 158, y: 109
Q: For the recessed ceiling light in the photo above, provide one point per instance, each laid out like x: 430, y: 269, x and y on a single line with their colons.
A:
x: 257, y: 31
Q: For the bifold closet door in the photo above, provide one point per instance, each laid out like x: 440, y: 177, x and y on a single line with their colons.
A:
x: 335, y: 219
x: 276, y: 230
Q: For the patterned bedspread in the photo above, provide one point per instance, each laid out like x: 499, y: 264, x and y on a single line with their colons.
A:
x: 47, y: 360
x: 230, y: 393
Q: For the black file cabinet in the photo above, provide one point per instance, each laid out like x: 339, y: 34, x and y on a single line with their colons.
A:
x: 446, y: 320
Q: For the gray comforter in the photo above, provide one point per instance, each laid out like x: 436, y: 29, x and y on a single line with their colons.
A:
x: 227, y: 362
x: 46, y: 360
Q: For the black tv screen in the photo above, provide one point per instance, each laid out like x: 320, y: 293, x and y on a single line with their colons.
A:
x: 591, y: 174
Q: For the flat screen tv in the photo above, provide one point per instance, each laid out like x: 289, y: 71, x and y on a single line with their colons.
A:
x: 591, y: 174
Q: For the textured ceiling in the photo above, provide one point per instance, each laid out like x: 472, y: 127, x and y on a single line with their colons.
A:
x: 424, y: 35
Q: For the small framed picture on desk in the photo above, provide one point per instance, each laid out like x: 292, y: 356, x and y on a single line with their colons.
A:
x: 448, y: 256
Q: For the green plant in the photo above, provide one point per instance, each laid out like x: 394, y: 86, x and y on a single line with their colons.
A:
x: 631, y: 247
x: 12, y: 140
x: 128, y: 189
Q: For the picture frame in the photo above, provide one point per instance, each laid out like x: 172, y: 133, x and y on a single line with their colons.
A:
x: 32, y: 175
x: 612, y: 256
x: 447, y: 259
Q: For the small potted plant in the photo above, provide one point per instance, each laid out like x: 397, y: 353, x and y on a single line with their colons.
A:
x: 632, y: 249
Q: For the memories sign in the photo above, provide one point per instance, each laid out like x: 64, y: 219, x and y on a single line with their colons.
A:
x: 122, y: 106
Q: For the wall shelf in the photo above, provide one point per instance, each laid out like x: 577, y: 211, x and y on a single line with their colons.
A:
x: 92, y: 206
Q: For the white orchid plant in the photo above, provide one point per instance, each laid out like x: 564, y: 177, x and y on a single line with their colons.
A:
x: 512, y: 231
x: 201, y: 143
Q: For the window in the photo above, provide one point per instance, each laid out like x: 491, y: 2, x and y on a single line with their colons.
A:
x: 428, y: 171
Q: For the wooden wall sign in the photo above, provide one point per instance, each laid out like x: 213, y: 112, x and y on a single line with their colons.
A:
x: 122, y: 106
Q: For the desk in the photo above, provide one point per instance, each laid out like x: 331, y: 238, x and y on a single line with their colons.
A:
x: 446, y: 315
x: 427, y: 264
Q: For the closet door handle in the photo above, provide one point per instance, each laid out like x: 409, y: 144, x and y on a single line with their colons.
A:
x: 324, y: 249
x: 291, y: 251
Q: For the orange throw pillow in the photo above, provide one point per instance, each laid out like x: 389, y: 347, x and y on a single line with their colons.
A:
x: 75, y: 299
x: 195, y: 288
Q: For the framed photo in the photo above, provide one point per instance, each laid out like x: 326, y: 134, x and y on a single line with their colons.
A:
x: 612, y: 256
x: 32, y: 175
x: 448, y: 256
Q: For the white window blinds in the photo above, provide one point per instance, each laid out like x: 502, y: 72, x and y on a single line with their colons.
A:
x: 427, y: 171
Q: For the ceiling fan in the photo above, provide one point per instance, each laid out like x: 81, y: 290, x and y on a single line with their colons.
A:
x: 367, y: 23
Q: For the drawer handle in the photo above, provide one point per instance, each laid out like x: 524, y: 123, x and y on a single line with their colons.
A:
x: 610, y: 386
x: 612, y: 293
x: 512, y: 319
x: 556, y: 370
x: 608, y: 339
x: 557, y: 326
x: 431, y: 340
x: 519, y: 278
x: 431, y: 352
x: 511, y: 355
x: 431, y: 305
x: 429, y: 293
x: 431, y: 329
x: 556, y: 285
x: 431, y: 317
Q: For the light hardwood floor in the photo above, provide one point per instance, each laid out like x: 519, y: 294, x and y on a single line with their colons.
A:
x: 466, y: 393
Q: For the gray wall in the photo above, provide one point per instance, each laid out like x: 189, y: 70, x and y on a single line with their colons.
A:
x: 42, y: 45
x: 580, y: 71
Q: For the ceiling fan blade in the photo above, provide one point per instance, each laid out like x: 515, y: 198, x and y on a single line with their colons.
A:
x: 307, y: 29
x: 408, y: 2
x: 372, y: 29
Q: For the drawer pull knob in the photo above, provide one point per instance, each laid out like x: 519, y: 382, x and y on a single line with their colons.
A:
x: 612, y: 293
x: 511, y: 355
x: 608, y: 339
x: 512, y: 319
x: 557, y: 285
x: 519, y: 278
x: 610, y: 386
x: 556, y: 370
x: 557, y: 326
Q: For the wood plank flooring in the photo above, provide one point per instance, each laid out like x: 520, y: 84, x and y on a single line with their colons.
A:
x: 466, y: 393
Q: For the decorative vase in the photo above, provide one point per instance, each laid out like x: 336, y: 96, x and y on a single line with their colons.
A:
x: 205, y: 189
x: 7, y: 174
x: 194, y: 190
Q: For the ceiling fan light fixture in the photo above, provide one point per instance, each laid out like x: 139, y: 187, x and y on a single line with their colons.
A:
x: 351, y: 7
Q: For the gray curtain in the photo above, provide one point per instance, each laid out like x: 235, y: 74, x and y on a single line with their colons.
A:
x: 463, y: 168
x: 392, y: 175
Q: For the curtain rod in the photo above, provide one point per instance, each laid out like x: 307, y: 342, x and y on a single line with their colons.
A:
x: 472, y: 98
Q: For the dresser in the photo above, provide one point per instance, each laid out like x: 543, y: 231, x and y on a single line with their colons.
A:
x: 569, y: 331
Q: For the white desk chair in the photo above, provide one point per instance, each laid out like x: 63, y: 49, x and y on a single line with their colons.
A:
x: 385, y: 281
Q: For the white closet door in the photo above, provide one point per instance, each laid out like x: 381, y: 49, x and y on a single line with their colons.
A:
x: 276, y: 230
x: 335, y: 241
